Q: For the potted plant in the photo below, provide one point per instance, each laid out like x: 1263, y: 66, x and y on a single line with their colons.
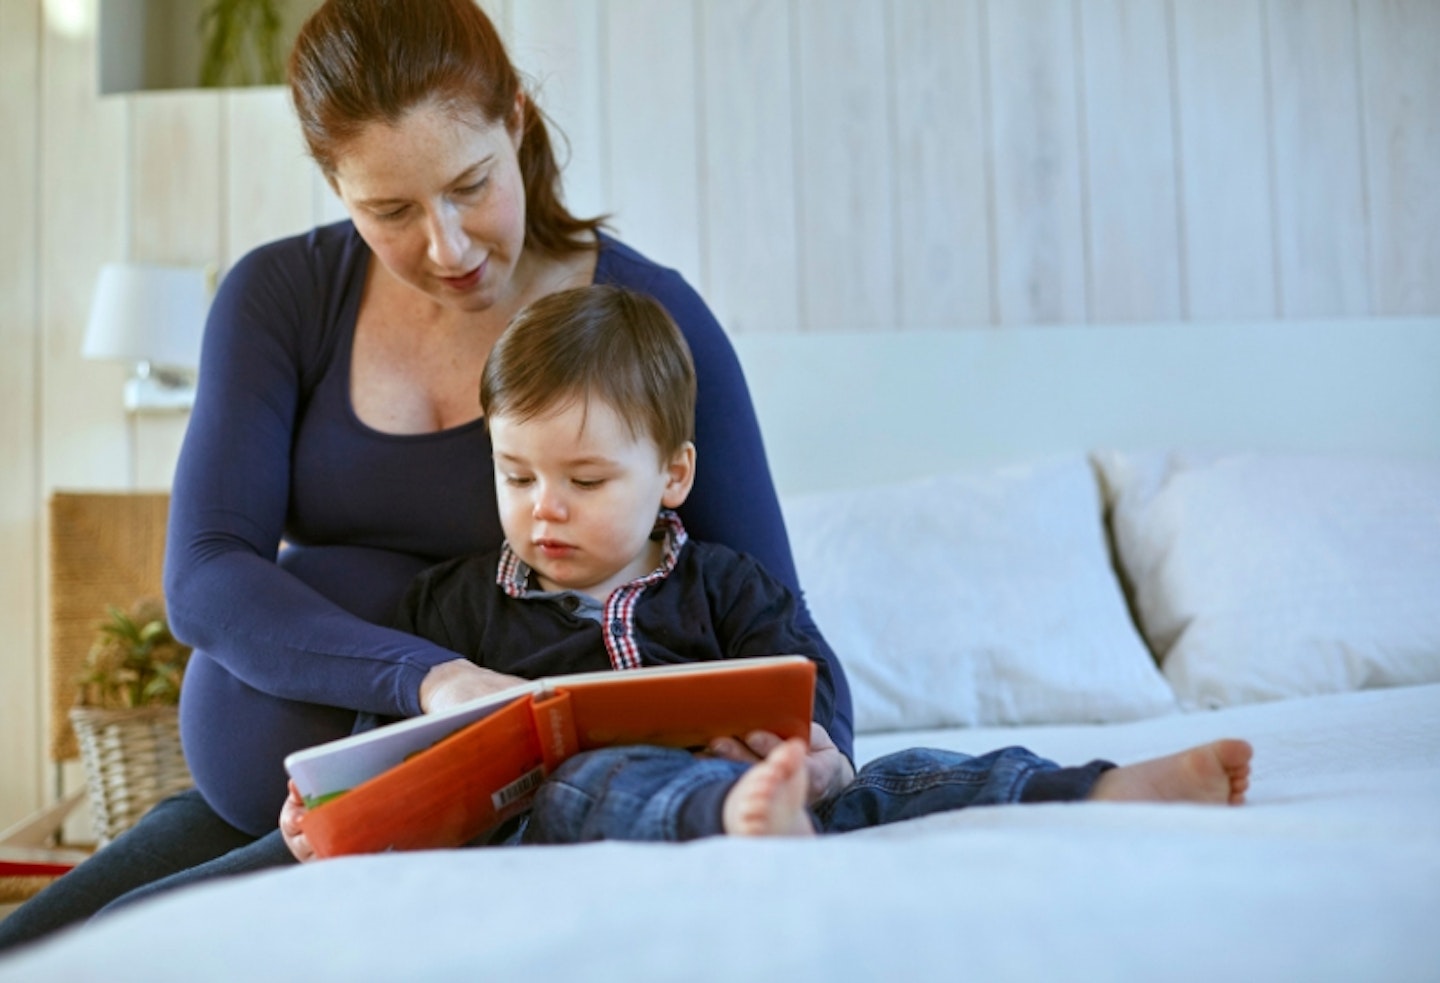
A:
x: 126, y: 716
x: 242, y: 43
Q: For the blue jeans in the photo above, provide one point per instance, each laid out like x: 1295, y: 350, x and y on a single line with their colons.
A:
x: 651, y: 793
x: 178, y: 834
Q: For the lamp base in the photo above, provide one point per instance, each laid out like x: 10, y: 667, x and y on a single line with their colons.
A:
x: 159, y: 393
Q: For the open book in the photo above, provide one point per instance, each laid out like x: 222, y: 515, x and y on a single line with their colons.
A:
x: 442, y: 779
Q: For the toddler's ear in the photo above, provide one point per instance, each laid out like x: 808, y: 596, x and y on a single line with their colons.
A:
x: 680, y: 476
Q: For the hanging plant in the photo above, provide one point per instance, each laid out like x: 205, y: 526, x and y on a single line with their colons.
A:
x: 242, y: 43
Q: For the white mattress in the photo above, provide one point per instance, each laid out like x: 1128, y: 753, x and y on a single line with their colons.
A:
x: 1331, y: 872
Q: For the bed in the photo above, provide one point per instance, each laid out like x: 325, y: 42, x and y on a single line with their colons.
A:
x: 1094, y: 542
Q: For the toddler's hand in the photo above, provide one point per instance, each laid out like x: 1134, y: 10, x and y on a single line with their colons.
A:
x: 827, y: 771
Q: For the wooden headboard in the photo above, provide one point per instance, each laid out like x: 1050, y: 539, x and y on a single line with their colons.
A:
x: 851, y: 409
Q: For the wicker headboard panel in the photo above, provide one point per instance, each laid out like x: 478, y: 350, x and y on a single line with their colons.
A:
x: 105, y: 548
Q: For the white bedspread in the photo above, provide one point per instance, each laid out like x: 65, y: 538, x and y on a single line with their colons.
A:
x: 1331, y: 872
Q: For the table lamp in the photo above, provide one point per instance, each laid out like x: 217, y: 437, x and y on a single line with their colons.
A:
x: 151, y: 317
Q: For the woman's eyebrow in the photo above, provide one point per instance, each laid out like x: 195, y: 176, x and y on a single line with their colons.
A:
x: 464, y: 175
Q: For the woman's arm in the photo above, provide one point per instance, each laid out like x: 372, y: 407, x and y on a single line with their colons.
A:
x: 226, y: 593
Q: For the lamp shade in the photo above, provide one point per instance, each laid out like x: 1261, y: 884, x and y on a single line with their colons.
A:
x: 145, y: 313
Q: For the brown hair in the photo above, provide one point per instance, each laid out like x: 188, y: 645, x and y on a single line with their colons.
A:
x: 358, y: 62
x: 599, y: 341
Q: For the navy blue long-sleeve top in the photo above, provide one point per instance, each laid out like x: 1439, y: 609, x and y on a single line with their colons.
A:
x: 295, y: 528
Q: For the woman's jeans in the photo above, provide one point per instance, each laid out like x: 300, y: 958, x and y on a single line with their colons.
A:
x: 650, y: 793
x: 177, y: 835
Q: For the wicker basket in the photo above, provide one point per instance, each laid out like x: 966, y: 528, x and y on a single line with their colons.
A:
x: 132, y: 761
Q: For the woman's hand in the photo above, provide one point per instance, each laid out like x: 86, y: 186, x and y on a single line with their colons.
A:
x: 459, y: 681
x: 291, y: 815
x: 826, y: 769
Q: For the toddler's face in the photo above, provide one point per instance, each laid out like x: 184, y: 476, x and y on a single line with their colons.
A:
x: 579, y: 495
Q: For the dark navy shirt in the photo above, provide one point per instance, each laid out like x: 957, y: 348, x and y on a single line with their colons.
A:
x: 708, y: 603
x: 290, y: 643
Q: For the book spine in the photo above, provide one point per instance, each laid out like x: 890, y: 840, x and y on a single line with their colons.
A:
x: 555, y: 728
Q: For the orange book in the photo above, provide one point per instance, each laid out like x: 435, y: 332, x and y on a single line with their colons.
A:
x: 442, y: 779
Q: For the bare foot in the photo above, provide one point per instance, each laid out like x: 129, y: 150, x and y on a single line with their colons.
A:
x: 1218, y: 773
x: 769, y: 799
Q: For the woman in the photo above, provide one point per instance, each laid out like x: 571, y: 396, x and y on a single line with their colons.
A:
x: 337, y: 410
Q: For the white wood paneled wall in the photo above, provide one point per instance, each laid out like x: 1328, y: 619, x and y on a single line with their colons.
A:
x: 20, y: 501
x: 810, y: 165
x: 883, y: 164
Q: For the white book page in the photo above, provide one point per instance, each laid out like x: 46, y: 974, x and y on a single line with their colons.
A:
x: 340, y: 765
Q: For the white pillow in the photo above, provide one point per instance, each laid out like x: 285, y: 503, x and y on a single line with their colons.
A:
x: 975, y: 599
x: 1265, y: 577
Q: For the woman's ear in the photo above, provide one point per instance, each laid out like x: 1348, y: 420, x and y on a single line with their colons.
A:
x: 515, y: 124
x: 680, y: 476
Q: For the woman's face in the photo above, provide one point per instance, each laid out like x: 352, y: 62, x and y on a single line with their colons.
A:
x: 440, y: 202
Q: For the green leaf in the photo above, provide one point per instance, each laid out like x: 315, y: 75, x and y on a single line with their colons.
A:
x: 242, y: 43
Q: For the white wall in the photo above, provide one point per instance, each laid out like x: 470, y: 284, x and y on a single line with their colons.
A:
x: 811, y: 165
